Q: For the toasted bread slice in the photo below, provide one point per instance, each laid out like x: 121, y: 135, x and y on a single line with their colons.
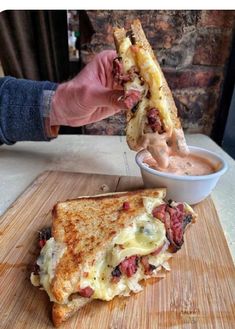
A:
x: 141, y: 40
x: 95, y: 240
x: 97, y: 220
x: 61, y: 313
x: 135, y: 51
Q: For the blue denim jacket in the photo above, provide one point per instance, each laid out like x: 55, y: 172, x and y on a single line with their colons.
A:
x: 22, y: 109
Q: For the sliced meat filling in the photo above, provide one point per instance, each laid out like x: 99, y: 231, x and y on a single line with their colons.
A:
x: 148, y: 268
x: 175, y: 220
x: 132, y: 95
x: 132, y: 98
x: 154, y: 121
x: 129, y: 266
x: 86, y: 292
x: 43, y: 236
x: 118, y: 72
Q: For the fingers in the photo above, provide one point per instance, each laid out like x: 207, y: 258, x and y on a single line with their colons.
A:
x: 109, y: 54
x: 104, y: 67
x: 101, y: 113
x: 99, y: 69
x: 116, y: 100
x: 104, y: 97
x: 132, y: 98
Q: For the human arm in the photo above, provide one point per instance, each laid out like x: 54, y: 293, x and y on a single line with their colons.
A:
x: 33, y: 110
x: 22, y: 109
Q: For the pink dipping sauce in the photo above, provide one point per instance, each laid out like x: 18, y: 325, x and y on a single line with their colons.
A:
x: 191, y: 164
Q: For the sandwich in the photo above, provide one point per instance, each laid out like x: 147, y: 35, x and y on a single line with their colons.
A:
x: 103, y: 246
x: 152, y: 119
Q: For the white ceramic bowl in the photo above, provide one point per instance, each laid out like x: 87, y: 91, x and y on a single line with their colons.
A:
x: 190, y: 189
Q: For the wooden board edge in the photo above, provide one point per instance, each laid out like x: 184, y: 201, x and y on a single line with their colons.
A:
x: 38, y: 180
x: 31, y: 188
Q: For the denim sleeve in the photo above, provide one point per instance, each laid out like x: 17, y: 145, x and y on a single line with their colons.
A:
x: 22, y: 108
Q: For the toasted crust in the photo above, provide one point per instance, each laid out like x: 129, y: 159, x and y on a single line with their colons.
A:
x: 100, y: 218
x: 119, y: 36
x: 140, y: 37
x: 61, y: 313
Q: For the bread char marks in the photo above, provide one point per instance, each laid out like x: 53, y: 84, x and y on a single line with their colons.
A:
x: 92, y: 221
x: 85, y: 226
x: 139, y: 236
x: 97, y: 224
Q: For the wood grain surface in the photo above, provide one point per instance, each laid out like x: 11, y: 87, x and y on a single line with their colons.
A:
x: 197, y: 293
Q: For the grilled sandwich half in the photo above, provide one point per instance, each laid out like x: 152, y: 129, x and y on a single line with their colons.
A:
x: 103, y: 246
x: 153, y: 118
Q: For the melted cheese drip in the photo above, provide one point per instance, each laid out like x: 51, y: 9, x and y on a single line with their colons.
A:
x: 149, y: 71
x: 49, y: 258
x: 144, y: 236
x: 100, y: 279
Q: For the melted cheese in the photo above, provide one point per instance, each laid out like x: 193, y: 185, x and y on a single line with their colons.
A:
x: 100, y: 279
x: 151, y: 74
x: 125, y: 52
x: 144, y: 236
x: 189, y: 209
x: 49, y: 257
x: 128, y: 61
x: 151, y: 203
x: 135, y: 127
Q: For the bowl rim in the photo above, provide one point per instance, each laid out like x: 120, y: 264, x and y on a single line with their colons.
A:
x: 220, y: 172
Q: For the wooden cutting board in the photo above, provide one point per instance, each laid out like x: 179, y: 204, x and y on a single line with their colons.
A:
x: 197, y: 293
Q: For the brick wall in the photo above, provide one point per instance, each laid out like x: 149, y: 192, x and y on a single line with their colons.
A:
x: 192, y: 48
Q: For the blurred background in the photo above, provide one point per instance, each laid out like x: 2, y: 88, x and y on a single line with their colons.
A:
x: 195, y: 48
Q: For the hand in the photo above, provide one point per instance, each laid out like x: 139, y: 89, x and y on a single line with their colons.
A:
x: 90, y: 96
